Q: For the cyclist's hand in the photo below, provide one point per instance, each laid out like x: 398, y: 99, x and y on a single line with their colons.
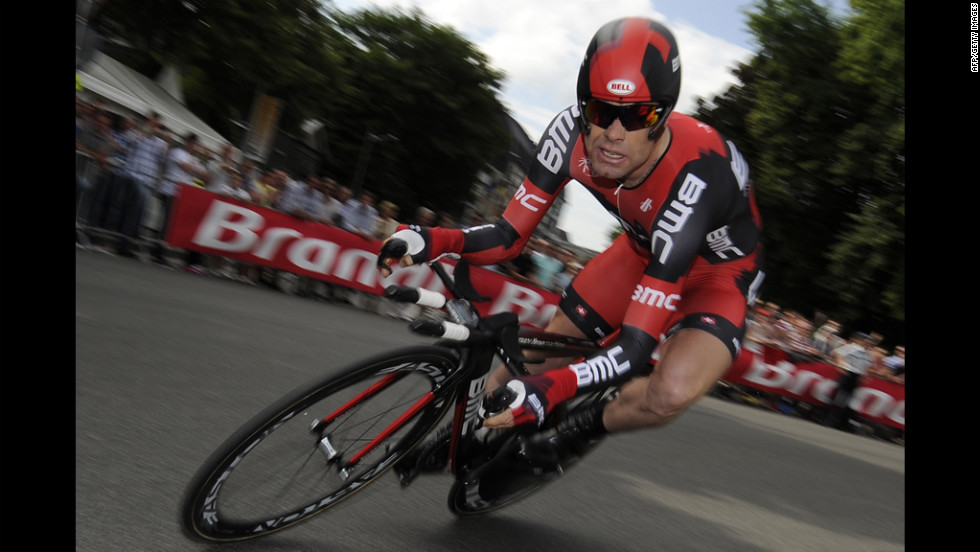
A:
x: 392, y: 251
x: 403, y: 248
x: 529, y: 399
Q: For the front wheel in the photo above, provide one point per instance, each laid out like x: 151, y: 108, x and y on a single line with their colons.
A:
x: 317, y: 446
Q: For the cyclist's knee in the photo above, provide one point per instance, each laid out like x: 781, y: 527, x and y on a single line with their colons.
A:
x: 692, y: 363
x: 644, y: 403
x: 666, y: 401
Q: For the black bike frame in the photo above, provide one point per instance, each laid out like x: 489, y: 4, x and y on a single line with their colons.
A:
x: 489, y: 336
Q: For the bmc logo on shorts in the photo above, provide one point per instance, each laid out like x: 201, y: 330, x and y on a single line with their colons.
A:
x: 655, y: 298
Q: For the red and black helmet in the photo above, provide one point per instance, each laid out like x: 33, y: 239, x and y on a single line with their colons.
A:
x: 631, y: 60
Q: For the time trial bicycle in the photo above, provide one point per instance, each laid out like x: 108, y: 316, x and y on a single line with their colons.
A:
x: 330, y: 438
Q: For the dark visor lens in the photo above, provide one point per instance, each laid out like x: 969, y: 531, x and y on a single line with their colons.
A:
x: 631, y: 116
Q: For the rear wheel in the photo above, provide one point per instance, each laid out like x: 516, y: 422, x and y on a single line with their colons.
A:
x: 317, y: 446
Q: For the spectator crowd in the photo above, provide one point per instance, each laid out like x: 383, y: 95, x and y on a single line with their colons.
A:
x: 855, y: 355
x: 123, y: 162
x: 822, y: 339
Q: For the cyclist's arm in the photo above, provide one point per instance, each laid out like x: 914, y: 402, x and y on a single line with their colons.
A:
x: 485, y: 244
x: 505, y: 239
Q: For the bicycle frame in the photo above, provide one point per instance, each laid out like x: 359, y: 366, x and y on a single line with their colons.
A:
x: 479, y: 339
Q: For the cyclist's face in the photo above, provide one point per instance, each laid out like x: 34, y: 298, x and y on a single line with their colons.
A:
x: 617, y: 153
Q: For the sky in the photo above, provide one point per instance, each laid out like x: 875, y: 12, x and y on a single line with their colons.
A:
x: 539, y: 45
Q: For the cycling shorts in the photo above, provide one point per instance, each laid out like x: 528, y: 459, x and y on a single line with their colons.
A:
x: 714, y: 297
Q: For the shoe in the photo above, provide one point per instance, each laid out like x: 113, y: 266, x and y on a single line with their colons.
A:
x: 564, y: 443
x: 429, y: 457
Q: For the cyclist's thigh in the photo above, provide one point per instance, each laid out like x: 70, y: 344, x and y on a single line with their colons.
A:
x: 714, y: 299
x: 596, y: 300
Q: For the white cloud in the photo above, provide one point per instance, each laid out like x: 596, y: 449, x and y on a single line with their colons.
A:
x: 707, y: 63
x: 539, y: 46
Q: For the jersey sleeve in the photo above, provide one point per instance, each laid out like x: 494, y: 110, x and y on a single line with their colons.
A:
x: 628, y: 354
x: 500, y: 241
x: 505, y: 239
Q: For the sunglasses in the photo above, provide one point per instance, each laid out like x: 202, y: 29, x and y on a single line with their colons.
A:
x: 633, y: 116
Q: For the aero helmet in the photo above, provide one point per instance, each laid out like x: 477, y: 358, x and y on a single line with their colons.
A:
x: 631, y: 60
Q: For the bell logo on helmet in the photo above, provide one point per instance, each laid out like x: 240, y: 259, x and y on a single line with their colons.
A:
x: 621, y: 87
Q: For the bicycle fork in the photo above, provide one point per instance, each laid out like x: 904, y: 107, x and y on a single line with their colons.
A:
x: 477, y: 358
x: 467, y: 419
x: 331, y: 454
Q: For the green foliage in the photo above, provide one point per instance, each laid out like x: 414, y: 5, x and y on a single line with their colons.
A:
x: 868, y: 262
x: 432, y: 89
x: 794, y: 125
x: 868, y: 258
x: 228, y: 50
x: 820, y: 116
x: 369, y: 72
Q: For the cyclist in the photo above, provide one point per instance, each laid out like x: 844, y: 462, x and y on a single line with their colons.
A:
x: 678, y: 279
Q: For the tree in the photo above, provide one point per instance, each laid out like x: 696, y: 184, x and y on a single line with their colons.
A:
x: 727, y: 111
x: 227, y: 50
x: 794, y: 125
x: 819, y: 114
x: 867, y: 262
x: 369, y: 73
x: 429, y: 87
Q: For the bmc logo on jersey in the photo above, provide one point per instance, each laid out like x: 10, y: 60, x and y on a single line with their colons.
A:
x: 673, y: 219
x: 621, y: 87
x: 601, y: 368
x: 551, y: 152
x: 530, y: 201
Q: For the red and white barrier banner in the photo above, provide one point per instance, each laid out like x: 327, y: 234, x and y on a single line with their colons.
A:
x: 771, y: 370
x: 218, y: 225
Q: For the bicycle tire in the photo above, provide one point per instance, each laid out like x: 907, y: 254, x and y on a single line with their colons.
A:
x: 505, y: 479
x: 273, y: 473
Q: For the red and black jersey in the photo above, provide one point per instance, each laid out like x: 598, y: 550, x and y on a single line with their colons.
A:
x: 695, y: 207
x: 696, y: 202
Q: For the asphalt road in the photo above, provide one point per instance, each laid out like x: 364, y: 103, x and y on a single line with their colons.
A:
x: 168, y: 364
